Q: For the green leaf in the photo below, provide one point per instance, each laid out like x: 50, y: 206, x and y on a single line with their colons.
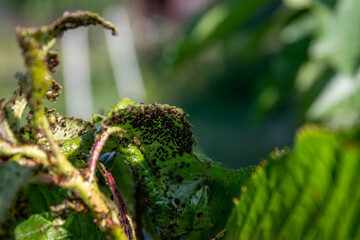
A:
x: 300, y: 28
x: 224, y: 186
x: 74, y: 135
x: 120, y: 105
x: 157, y: 142
x: 65, y: 128
x: 195, y: 214
x: 339, y: 42
x: 310, y: 193
x: 338, y: 103
x: 217, y: 23
x: 37, y: 227
x: 223, y: 189
x: 298, y: 4
x: 13, y: 177
x: 41, y: 197
x: 83, y: 227
x: 126, y: 183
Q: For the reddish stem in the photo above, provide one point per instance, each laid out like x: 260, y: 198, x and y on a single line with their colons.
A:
x: 120, y: 204
x: 95, y: 153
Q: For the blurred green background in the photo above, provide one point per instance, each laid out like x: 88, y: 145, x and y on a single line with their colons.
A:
x: 249, y: 72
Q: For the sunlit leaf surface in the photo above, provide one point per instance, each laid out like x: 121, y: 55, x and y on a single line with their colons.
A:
x: 309, y: 193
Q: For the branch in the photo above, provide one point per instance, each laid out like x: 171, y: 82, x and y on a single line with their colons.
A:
x: 95, y: 153
x: 27, y: 150
x: 69, y: 21
x: 120, y: 204
x: 35, y: 44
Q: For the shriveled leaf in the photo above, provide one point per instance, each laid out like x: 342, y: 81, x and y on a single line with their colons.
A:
x: 13, y: 110
x: 36, y: 44
x: 5, y: 129
x: 69, y: 21
x: 54, y: 91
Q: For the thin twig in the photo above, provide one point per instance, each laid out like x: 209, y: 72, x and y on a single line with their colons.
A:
x: 27, y: 150
x: 46, y: 179
x: 95, y: 153
x: 120, y: 204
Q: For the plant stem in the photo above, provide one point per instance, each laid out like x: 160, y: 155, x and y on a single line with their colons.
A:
x: 35, y: 44
x: 88, y: 191
x: 31, y: 151
x: 95, y: 153
x: 120, y: 204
